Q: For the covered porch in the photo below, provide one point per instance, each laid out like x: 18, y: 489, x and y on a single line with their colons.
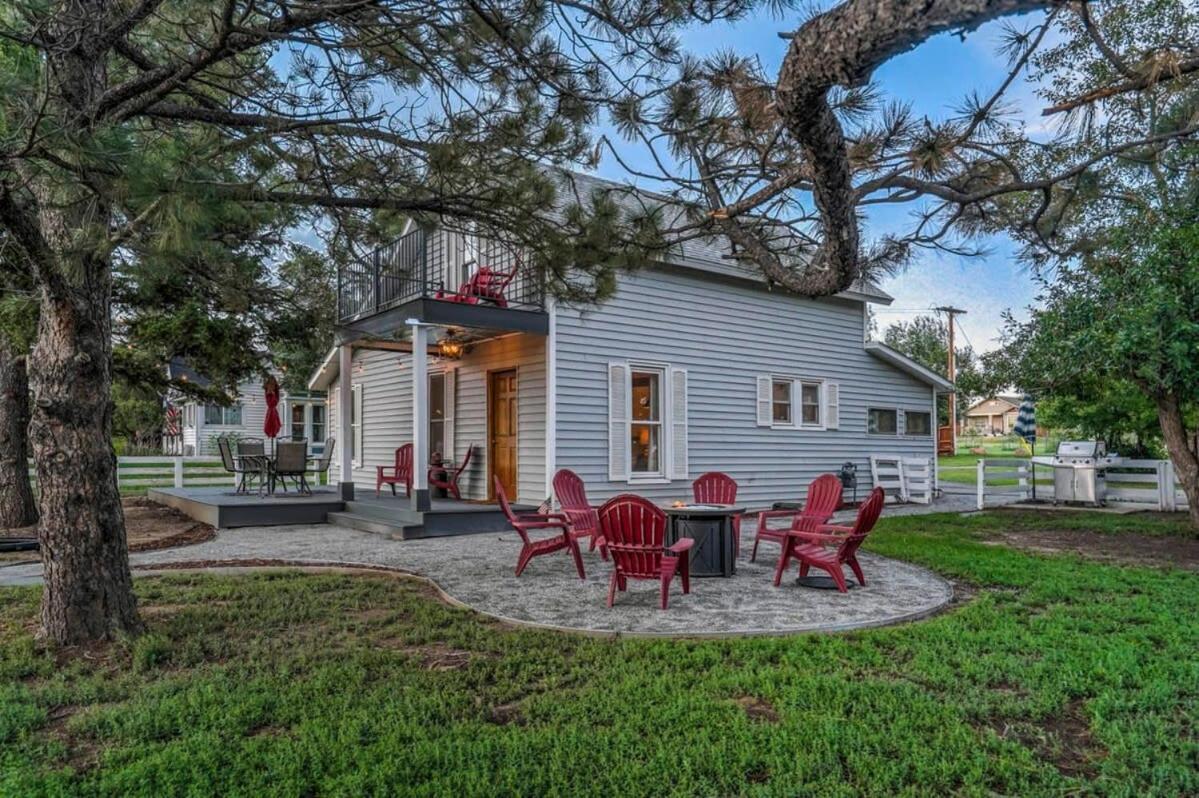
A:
x: 460, y: 373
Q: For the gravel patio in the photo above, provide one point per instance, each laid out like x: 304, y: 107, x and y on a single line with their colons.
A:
x: 477, y: 572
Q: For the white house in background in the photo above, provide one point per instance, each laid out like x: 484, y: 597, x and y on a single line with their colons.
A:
x: 304, y: 416
x: 695, y: 364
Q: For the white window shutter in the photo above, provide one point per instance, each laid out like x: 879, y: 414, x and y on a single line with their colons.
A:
x: 832, y: 405
x: 356, y: 398
x: 765, y: 407
x: 679, y: 467
x: 451, y: 401
x: 618, y: 422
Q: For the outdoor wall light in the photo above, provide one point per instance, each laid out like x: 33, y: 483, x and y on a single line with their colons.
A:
x: 450, y: 349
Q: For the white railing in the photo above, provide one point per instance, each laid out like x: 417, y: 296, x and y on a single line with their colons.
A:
x: 1005, y: 469
x: 1150, y: 484
x: 166, y: 471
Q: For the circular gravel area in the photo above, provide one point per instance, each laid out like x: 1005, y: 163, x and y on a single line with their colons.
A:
x: 477, y: 572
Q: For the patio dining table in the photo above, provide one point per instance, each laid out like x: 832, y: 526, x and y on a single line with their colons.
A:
x: 255, y: 463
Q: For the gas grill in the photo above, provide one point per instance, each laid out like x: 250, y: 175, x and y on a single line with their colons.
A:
x: 1078, y: 472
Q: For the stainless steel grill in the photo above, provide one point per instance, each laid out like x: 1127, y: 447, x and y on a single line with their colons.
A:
x: 1078, y: 472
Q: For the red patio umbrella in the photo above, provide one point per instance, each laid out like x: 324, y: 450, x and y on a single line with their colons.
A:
x: 272, y: 424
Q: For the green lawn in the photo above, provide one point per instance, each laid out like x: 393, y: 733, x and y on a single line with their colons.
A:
x: 963, y: 466
x: 1057, y: 677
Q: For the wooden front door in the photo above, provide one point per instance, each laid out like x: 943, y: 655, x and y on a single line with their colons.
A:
x: 501, y: 426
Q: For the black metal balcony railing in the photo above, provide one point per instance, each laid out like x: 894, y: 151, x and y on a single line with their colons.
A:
x: 434, y: 265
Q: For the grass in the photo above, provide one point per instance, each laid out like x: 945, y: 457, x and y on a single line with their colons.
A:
x: 1058, y: 677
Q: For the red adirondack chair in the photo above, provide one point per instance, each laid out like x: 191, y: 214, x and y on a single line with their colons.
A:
x: 584, y: 521
x: 829, y: 547
x: 715, y: 487
x: 824, y: 499
x: 441, y: 477
x: 635, y: 530
x: 524, y: 523
x: 485, y: 285
x: 399, y: 474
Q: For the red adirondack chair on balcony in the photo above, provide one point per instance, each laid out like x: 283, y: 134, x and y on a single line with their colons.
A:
x: 485, y: 285
x: 398, y: 474
x: 584, y: 521
x: 524, y: 523
x: 634, y: 530
x: 715, y: 487
x: 830, y: 547
x: 824, y: 499
x: 442, y: 477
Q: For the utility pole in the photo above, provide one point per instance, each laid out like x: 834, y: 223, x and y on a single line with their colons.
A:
x: 951, y: 370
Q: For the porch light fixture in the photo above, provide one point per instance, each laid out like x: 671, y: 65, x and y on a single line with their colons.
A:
x: 450, y: 349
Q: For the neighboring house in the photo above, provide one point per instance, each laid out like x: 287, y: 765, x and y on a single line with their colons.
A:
x: 995, y: 416
x: 692, y: 366
x: 304, y: 416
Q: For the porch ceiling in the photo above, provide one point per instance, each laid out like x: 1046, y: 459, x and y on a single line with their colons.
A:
x: 447, y: 314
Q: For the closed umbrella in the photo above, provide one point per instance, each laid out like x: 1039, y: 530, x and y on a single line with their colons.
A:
x: 272, y: 425
x: 1026, y: 428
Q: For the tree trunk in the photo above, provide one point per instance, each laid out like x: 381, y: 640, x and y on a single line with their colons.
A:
x: 17, y: 507
x: 1186, y: 462
x: 88, y: 592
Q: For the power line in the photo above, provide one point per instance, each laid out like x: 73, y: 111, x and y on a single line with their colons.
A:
x: 962, y: 330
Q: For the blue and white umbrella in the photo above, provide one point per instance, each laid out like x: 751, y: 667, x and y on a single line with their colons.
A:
x: 1026, y: 428
x: 1026, y: 421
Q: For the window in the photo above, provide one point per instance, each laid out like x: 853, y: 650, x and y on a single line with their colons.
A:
x: 916, y: 422
x: 297, y: 422
x: 882, y: 421
x: 356, y: 424
x: 437, y: 404
x: 809, y: 399
x: 318, y: 422
x: 645, y: 425
x: 780, y: 400
x: 216, y: 415
x: 793, y: 402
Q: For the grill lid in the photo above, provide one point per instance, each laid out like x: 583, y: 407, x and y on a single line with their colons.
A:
x: 1080, y: 449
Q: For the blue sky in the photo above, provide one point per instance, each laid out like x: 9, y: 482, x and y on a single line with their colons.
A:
x: 933, y: 78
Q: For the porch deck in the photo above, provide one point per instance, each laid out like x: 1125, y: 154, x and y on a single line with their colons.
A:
x: 386, y: 515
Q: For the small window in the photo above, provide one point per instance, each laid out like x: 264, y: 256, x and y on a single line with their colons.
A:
x: 216, y: 415
x: 917, y: 423
x: 318, y: 422
x: 645, y: 425
x: 809, y: 397
x: 882, y: 421
x: 297, y: 421
x: 780, y: 396
x: 437, y: 402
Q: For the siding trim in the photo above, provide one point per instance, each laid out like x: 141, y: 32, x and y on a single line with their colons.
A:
x: 551, y: 396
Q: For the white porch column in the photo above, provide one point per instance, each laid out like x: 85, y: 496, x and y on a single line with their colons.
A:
x: 420, y: 415
x: 345, y: 432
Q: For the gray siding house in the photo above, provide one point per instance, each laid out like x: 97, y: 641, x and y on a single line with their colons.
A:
x: 200, y: 425
x: 693, y: 365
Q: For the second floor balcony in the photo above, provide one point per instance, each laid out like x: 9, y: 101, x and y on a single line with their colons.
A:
x: 441, y: 277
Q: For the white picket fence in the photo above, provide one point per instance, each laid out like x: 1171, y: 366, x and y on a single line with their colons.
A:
x: 164, y: 471
x: 1150, y: 484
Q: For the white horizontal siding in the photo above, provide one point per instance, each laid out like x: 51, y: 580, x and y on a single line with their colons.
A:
x: 725, y: 335
x: 386, y: 379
